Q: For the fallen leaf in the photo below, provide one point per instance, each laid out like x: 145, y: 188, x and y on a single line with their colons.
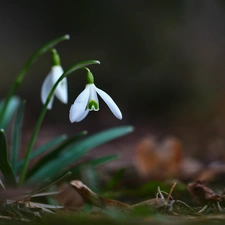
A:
x: 96, y: 200
x: 203, y: 194
x: 159, y: 159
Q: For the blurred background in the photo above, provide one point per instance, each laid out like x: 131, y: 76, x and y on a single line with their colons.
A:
x: 161, y: 61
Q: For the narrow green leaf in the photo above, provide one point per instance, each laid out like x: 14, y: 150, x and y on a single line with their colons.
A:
x: 46, y: 194
x: 76, y: 151
x: 104, y: 160
x: 11, y: 109
x: 1, y: 184
x: 44, y: 148
x: 5, y: 167
x: 16, y: 136
x: 55, y: 153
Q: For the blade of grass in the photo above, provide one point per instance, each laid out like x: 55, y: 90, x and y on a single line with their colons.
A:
x: 46, y: 193
x: 76, y: 151
x: 49, y: 184
x: 77, y: 66
x: 5, y: 167
x: 11, y: 109
x: 46, y: 48
x: 44, y: 148
x: 45, y: 186
x: 16, y: 136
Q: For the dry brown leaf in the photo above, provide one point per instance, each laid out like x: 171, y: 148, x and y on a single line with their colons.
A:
x: 159, y: 159
x: 96, y: 200
x: 203, y: 194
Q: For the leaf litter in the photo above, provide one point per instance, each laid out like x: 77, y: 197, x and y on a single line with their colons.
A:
x: 167, y: 207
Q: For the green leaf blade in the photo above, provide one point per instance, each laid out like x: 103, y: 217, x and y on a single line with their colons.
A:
x: 5, y: 167
x: 55, y: 153
x: 76, y: 151
x: 44, y: 148
x: 13, y: 105
x: 16, y: 136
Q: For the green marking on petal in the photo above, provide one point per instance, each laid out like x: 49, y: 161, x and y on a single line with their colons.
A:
x: 93, y: 105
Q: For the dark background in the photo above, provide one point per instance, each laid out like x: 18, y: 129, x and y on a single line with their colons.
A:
x: 163, y: 62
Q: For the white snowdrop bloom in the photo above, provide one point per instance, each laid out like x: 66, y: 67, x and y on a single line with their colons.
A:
x: 87, y: 101
x: 61, y: 91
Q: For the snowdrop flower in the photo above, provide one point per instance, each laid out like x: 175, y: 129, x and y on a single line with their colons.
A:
x: 87, y: 101
x: 61, y: 90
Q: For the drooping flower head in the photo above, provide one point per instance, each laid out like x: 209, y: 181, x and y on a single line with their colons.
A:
x: 61, y: 92
x: 87, y: 101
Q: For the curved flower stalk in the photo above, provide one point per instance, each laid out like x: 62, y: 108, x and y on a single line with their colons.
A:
x: 61, y: 91
x: 87, y: 101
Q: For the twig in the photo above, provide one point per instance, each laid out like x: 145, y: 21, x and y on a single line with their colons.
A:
x: 171, y: 191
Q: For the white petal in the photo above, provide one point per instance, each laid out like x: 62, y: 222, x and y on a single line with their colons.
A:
x: 78, y: 108
x: 83, y: 115
x: 111, y: 104
x: 61, y: 91
x: 45, y: 89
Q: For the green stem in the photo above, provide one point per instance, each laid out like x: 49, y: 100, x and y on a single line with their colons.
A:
x: 27, y: 66
x: 73, y: 68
